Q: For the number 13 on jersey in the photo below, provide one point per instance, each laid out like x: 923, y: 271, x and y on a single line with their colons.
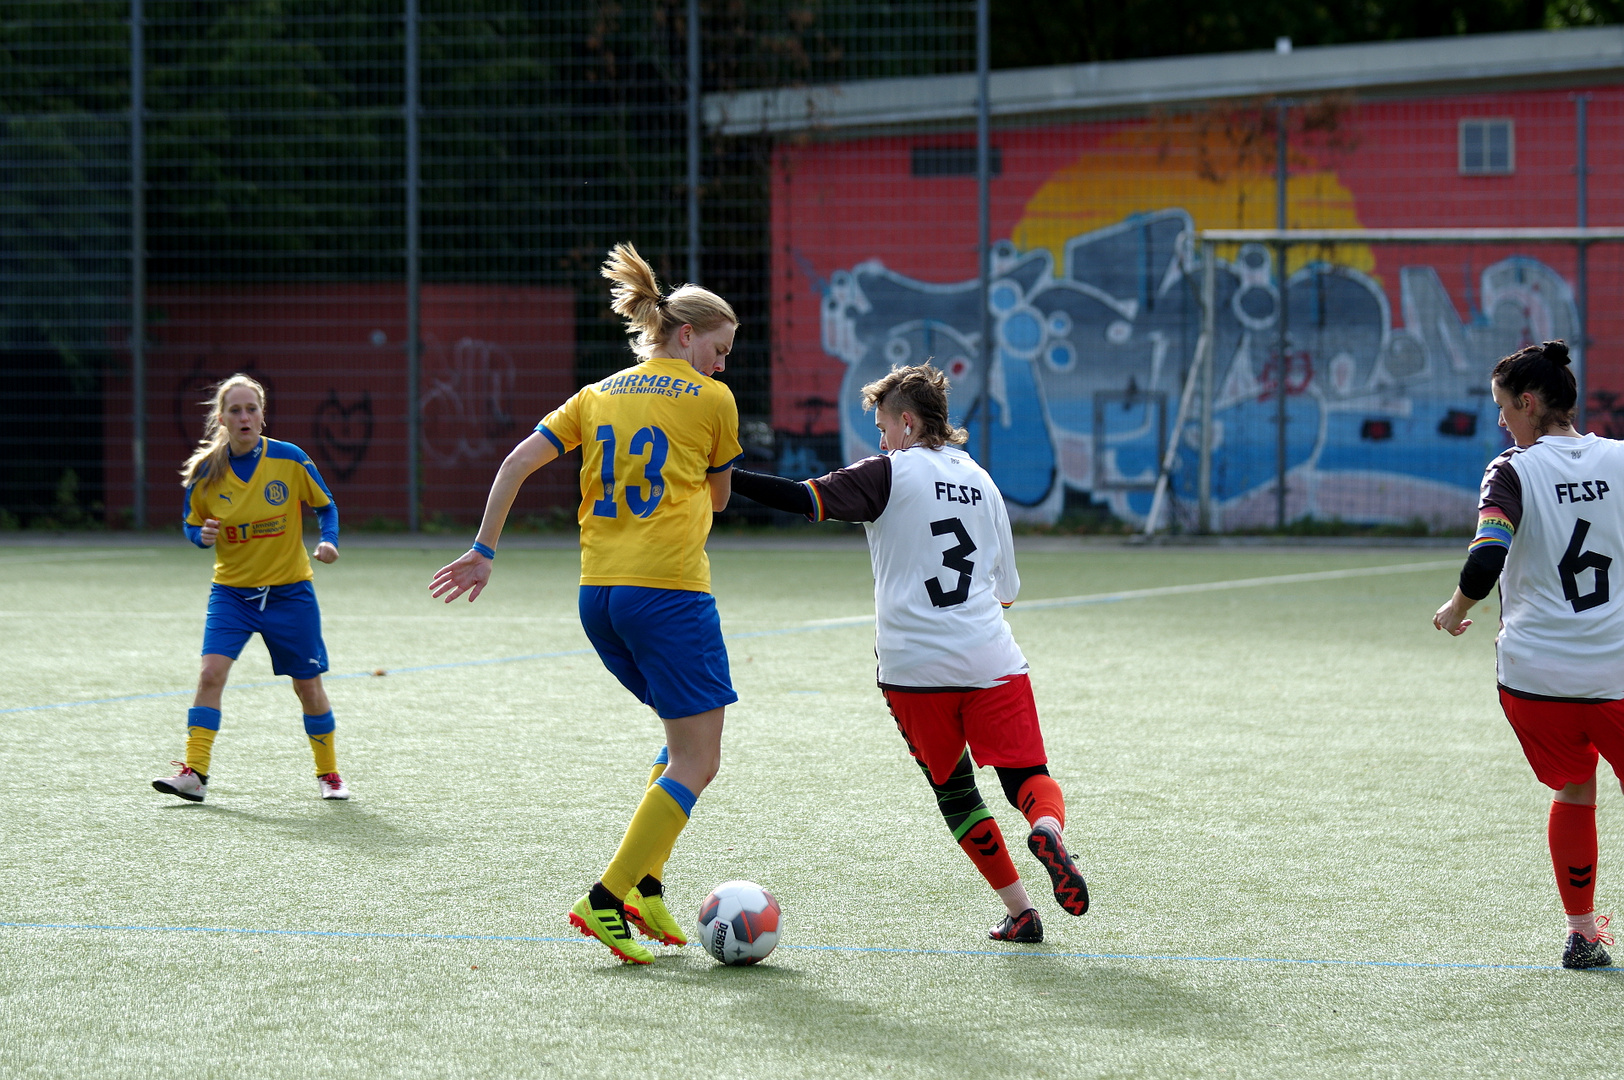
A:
x: 650, y: 441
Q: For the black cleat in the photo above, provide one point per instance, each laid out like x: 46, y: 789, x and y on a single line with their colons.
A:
x: 1024, y: 929
x: 1070, y: 890
x: 1585, y: 953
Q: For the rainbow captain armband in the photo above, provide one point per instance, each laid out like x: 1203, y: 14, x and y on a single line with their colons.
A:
x: 485, y: 550
x: 1494, y: 529
x: 818, y: 513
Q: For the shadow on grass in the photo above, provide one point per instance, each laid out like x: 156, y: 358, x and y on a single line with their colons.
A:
x: 895, y: 1010
x: 339, y: 824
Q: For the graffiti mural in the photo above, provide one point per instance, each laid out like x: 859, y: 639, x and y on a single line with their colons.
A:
x: 1387, y: 419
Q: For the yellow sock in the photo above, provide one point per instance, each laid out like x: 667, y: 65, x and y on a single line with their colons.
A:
x: 202, y: 725
x: 319, y: 730
x: 657, y: 870
x: 199, y: 745
x: 660, y: 818
x: 326, y: 756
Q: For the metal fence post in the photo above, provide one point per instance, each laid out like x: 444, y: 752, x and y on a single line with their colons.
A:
x: 1283, y: 365
x: 138, y: 266
x: 1206, y: 347
x: 1582, y: 250
x: 984, y: 211
x: 414, y: 272
x: 693, y: 140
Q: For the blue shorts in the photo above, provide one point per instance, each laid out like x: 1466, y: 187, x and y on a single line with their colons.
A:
x: 664, y: 645
x: 286, y: 616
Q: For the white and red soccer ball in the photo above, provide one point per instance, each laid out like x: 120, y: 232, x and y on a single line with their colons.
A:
x: 738, y: 922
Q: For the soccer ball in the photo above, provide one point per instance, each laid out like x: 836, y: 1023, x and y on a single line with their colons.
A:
x: 738, y: 922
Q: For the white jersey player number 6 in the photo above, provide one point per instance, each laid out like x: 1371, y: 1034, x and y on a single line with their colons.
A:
x: 1575, y: 561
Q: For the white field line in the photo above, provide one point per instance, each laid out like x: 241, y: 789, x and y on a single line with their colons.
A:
x: 1181, y: 590
x: 76, y: 556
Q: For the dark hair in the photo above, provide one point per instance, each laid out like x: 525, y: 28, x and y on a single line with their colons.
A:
x: 921, y: 390
x: 1544, y: 371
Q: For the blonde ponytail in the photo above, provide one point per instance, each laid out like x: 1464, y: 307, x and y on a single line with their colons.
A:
x: 214, y: 448
x: 651, y: 317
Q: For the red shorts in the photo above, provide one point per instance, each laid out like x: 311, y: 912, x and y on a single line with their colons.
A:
x: 1562, y: 739
x: 1000, y: 724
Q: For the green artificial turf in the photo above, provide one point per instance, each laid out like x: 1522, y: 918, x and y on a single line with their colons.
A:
x: 1313, y: 846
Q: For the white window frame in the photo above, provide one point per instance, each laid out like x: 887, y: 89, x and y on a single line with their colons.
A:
x: 1485, y: 123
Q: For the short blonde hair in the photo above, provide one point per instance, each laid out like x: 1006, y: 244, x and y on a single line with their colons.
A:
x: 214, y: 448
x: 921, y: 390
x: 651, y: 316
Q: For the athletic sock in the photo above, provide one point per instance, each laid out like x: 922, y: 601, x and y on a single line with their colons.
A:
x: 1039, y: 797
x: 319, y: 730
x: 202, y: 725
x: 984, y: 843
x: 972, y: 824
x: 659, y: 819
x: 1583, y: 925
x: 1014, y: 898
x: 1572, y: 836
x: 657, y: 770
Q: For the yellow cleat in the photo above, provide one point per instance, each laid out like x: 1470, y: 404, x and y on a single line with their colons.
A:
x: 650, y: 915
x: 608, y: 925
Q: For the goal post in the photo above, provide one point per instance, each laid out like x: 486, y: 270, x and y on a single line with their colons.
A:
x: 1198, y: 388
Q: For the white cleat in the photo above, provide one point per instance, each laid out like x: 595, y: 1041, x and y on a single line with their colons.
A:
x: 188, y: 784
x: 332, y: 786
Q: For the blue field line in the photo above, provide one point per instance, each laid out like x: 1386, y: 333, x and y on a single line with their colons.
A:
x: 1422, y: 965
x: 839, y: 623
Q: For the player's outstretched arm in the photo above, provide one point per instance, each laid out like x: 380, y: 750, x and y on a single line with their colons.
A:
x: 773, y: 491
x: 470, y: 573
x: 1452, y: 616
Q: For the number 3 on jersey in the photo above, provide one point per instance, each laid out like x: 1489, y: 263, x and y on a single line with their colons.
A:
x: 648, y: 439
x: 954, y: 558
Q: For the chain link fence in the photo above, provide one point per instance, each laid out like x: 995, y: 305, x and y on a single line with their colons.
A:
x: 392, y: 213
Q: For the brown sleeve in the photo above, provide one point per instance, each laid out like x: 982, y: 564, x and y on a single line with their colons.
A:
x: 1502, y: 489
x: 858, y: 492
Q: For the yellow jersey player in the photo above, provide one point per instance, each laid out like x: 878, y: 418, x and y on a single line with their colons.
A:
x: 658, y: 442
x: 243, y: 493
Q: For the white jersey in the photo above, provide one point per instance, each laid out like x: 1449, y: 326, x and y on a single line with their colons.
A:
x: 1561, y: 615
x: 944, y: 566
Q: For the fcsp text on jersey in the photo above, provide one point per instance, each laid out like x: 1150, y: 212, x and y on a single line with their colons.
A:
x: 959, y: 493
x: 1593, y: 490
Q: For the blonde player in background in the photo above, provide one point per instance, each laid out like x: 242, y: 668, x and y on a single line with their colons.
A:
x: 951, y: 673
x: 1550, y: 526
x: 658, y: 442
x: 243, y: 493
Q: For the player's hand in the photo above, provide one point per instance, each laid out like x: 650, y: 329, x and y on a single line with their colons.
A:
x: 326, y: 552
x: 211, y: 529
x: 1451, y: 619
x: 468, y: 574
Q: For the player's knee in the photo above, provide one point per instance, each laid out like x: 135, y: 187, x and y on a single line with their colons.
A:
x: 212, y: 674
x: 311, y: 695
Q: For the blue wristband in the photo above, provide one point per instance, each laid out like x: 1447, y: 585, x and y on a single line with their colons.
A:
x: 488, y: 552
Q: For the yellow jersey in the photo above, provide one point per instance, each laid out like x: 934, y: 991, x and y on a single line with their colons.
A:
x: 649, y: 436
x: 261, y: 539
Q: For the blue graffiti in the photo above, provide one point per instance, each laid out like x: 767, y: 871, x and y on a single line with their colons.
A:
x: 1383, y: 422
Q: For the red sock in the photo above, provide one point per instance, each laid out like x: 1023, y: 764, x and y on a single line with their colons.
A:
x: 1572, y: 836
x: 1040, y: 797
x: 984, y: 843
